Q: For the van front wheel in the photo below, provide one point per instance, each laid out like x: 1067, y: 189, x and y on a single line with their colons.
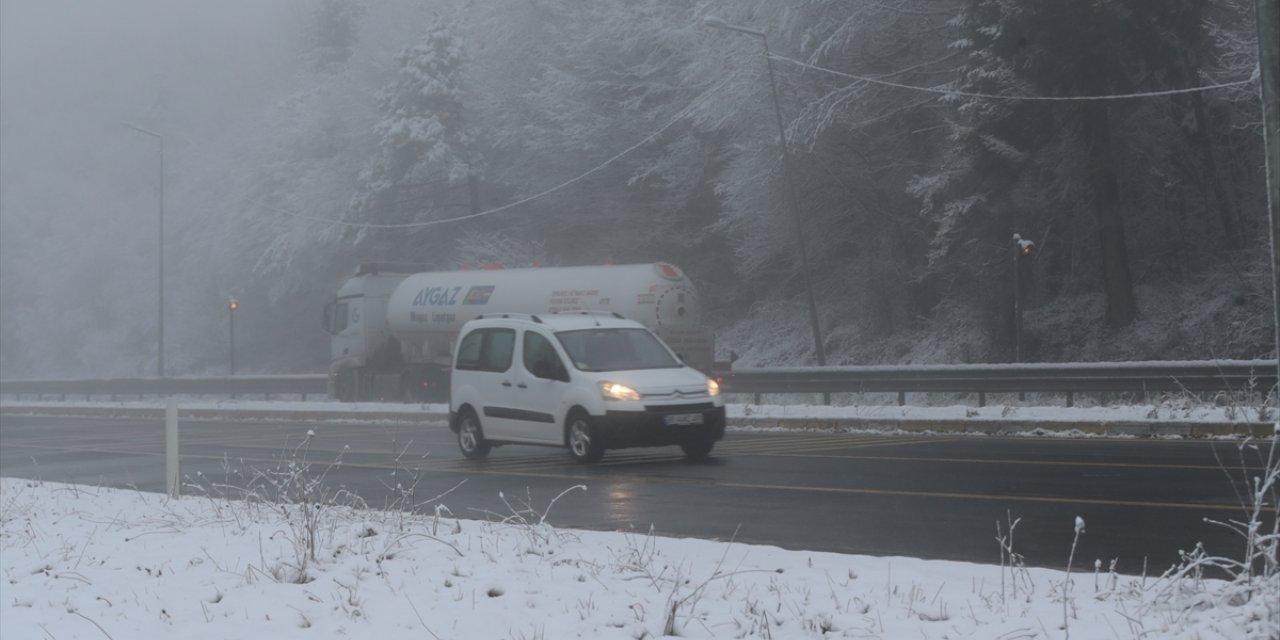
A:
x: 584, y: 444
x: 698, y: 449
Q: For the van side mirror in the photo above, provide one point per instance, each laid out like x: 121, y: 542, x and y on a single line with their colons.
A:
x: 327, y: 320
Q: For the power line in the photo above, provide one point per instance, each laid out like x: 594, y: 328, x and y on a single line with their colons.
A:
x: 415, y: 225
x: 990, y: 96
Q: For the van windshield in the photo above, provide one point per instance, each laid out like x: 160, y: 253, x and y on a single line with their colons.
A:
x: 615, y: 350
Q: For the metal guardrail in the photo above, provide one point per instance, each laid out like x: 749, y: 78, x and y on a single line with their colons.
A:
x: 300, y: 385
x: 1258, y: 376
x: 1255, y: 376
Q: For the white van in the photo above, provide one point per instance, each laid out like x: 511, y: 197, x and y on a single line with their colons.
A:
x: 589, y: 381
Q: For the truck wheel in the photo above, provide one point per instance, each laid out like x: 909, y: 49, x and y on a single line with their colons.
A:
x: 698, y: 449
x: 470, y: 437
x: 584, y: 445
x: 411, y: 387
x: 344, y: 385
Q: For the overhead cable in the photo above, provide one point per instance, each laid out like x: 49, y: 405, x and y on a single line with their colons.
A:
x: 993, y: 96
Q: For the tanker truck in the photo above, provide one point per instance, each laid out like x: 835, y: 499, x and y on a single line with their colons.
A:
x: 394, y: 326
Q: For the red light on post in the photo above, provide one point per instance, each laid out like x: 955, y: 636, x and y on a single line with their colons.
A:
x: 1023, y: 248
x: 234, y: 304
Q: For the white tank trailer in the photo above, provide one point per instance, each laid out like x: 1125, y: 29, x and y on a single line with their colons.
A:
x: 393, y: 327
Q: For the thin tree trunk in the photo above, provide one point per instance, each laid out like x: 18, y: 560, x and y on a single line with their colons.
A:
x: 1203, y: 142
x: 1122, y: 308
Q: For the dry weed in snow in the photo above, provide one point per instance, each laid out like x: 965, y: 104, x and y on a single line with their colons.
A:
x: 83, y: 562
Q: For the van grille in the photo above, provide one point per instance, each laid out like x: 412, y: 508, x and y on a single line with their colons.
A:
x: 677, y: 394
x: 696, y: 406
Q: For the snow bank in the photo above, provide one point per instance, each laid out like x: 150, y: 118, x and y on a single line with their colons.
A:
x: 87, y: 562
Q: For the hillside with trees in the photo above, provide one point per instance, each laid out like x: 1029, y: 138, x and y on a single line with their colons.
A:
x: 1122, y: 138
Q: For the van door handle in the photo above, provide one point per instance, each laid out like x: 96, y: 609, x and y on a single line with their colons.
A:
x: 523, y: 385
x: 506, y: 383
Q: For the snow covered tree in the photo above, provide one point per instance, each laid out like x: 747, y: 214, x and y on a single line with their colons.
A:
x: 854, y: 145
x: 1018, y: 165
x: 565, y: 89
x: 426, y: 147
x: 334, y: 29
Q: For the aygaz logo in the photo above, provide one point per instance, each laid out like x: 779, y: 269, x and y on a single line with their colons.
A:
x: 668, y: 271
x: 478, y: 295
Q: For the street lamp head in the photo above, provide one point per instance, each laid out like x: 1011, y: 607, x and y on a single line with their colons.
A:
x: 715, y: 22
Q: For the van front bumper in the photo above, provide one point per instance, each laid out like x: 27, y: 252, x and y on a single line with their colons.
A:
x: 651, y: 428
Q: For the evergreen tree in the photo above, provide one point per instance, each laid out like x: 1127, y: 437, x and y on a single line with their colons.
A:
x: 427, y: 149
x: 1026, y: 166
x: 565, y: 87
x: 333, y: 32
x: 853, y: 144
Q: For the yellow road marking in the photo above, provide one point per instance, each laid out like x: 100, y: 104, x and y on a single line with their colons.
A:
x: 981, y: 496
x: 722, y: 450
x: 1048, y: 463
x: 783, y: 448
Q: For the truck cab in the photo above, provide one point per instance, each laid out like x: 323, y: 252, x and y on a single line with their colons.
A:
x: 362, y: 349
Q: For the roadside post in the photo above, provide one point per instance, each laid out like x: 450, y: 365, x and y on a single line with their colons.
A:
x: 232, y: 306
x: 1022, y: 250
x: 171, y: 447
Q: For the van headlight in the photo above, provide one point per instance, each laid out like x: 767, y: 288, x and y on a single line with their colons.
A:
x: 713, y: 387
x: 615, y: 391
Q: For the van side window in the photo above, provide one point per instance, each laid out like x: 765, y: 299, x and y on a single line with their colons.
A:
x: 469, y: 351
x: 487, y: 350
x: 540, y: 357
x: 499, y: 346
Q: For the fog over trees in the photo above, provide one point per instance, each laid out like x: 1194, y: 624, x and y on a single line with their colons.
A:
x: 303, y: 137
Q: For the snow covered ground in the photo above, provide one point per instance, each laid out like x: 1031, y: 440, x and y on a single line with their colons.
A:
x: 90, y: 562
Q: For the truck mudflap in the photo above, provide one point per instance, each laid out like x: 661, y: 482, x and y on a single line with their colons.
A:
x: 660, y: 427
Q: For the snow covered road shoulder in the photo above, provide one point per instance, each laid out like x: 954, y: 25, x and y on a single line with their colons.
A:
x: 89, y: 562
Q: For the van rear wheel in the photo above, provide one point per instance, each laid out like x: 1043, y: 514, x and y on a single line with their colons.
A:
x: 584, y: 445
x: 470, y: 437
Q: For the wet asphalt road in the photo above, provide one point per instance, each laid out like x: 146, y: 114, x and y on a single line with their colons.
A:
x: 909, y: 495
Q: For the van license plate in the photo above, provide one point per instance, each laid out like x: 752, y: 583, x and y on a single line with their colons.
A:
x: 683, y: 418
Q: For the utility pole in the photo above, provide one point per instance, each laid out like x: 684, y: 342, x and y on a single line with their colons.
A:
x: 1268, y: 18
x: 819, y: 351
x: 159, y: 251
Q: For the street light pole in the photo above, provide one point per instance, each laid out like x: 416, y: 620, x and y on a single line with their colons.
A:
x: 818, y: 348
x: 160, y: 270
x: 1268, y: 12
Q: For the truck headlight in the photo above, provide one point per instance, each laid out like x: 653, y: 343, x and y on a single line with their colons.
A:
x: 615, y: 391
x: 713, y: 387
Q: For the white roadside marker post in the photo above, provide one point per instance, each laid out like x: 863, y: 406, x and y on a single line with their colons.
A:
x: 171, y: 446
